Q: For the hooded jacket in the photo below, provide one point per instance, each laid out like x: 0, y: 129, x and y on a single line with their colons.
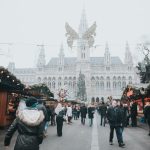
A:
x: 29, y: 124
x: 115, y: 116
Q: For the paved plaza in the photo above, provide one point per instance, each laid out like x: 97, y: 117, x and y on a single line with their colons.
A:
x: 79, y: 137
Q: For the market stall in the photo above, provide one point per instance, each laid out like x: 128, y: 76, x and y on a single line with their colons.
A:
x: 10, y: 91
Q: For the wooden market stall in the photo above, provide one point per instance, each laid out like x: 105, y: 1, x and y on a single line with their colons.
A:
x: 10, y: 90
x: 139, y: 95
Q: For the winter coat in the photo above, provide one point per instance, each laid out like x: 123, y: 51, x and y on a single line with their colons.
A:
x: 103, y: 109
x: 147, y: 112
x: 91, y: 111
x: 83, y: 111
x: 133, y: 110
x: 69, y: 112
x: 115, y: 116
x: 29, y: 124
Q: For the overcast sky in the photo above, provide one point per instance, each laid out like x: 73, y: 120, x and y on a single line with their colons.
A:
x: 26, y: 23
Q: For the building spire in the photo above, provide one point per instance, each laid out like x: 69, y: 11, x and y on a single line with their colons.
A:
x: 41, y: 59
x: 107, y: 58
x: 83, y: 22
x: 61, y: 52
x: 128, y: 55
x: 61, y: 58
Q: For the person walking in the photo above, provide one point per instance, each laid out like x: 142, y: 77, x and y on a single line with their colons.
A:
x: 147, y: 115
x: 83, y: 111
x: 59, y: 110
x: 29, y: 124
x: 91, y: 111
x: 75, y: 113
x: 78, y: 112
x: 115, y: 118
x: 103, y: 111
x: 69, y: 113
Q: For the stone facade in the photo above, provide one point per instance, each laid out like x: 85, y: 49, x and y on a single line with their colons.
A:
x: 104, y: 76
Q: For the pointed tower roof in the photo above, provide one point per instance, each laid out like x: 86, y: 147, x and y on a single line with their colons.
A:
x: 41, y: 59
x: 106, y: 47
x: 128, y: 55
x: 83, y: 22
x: 107, y: 55
x: 61, y: 52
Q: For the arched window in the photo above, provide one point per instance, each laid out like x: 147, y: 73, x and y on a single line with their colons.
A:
x: 130, y: 80
x: 53, y: 84
x: 119, y: 84
x: 124, y: 84
x: 97, y: 99
x: 108, y: 82
x: 45, y: 80
x: 93, y: 100
x: 97, y: 86
x: 93, y: 82
x: 114, y: 85
x: 102, y: 85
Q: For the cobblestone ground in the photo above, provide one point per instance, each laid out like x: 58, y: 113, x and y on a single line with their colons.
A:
x: 79, y: 137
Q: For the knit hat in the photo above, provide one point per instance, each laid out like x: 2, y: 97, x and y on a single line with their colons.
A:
x: 31, y: 102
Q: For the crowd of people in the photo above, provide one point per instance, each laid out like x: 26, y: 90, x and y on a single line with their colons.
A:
x: 33, y: 117
x: 120, y: 115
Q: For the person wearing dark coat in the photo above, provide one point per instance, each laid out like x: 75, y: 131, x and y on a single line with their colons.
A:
x: 75, y: 113
x: 59, y: 110
x: 115, y: 118
x: 83, y: 111
x: 29, y: 124
x: 91, y: 111
x: 133, y: 113
x: 103, y: 111
x: 147, y: 115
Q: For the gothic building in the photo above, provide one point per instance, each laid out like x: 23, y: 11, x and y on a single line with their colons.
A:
x: 104, y: 76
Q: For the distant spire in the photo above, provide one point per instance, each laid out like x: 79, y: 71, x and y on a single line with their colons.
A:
x: 61, y: 56
x: 107, y: 55
x: 61, y: 52
x: 83, y: 22
x: 41, y: 59
x: 127, y: 47
x: 106, y: 47
x: 128, y: 55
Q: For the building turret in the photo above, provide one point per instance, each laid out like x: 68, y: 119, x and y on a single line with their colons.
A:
x: 41, y: 59
x: 128, y: 58
x: 107, y: 58
x: 83, y: 48
x: 61, y: 59
x: 128, y: 55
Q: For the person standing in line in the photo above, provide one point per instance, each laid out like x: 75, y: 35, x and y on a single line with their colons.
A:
x: 147, y: 115
x: 78, y: 112
x: 69, y: 113
x: 91, y: 111
x: 115, y: 118
x: 103, y: 111
x: 29, y: 124
x: 83, y: 111
x: 75, y: 112
x: 59, y: 110
x: 133, y: 111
